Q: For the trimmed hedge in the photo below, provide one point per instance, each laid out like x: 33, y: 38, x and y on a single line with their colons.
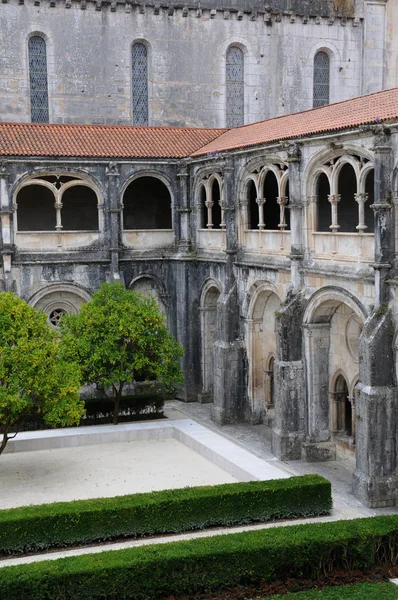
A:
x: 358, y: 591
x: 36, y: 528
x: 208, y: 564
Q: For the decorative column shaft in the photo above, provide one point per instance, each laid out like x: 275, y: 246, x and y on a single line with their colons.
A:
x: 261, y: 202
x: 334, y: 199
x: 361, y: 198
x: 183, y: 228
x: 58, y: 206
x: 6, y: 238
x: 114, y: 221
x: 282, y: 201
x: 209, y: 205
x: 384, y: 222
x: 296, y: 216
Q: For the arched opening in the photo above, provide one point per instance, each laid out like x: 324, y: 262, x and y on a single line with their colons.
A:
x: 216, y: 210
x: 321, y: 79
x: 332, y: 347
x: 271, y: 206
x: 347, y: 207
x: 147, y: 204
x: 343, y: 406
x: 370, y: 191
x: 79, y: 209
x: 270, y: 383
x: 139, y: 57
x: 149, y: 288
x: 37, y: 54
x: 253, y: 216
x: 203, y: 207
x: 57, y: 302
x: 209, y: 329
x: 261, y: 351
x: 235, y: 90
x: 323, y: 205
x: 35, y: 206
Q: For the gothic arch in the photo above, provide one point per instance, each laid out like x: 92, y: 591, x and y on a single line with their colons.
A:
x: 57, y: 299
x: 143, y: 216
x: 335, y: 296
x: 209, y: 296
x: 151, y: 286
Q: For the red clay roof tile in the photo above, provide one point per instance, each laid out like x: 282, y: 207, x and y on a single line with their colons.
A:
x: 380, y: 106
x: 101, y: 141
x: 122, y: 141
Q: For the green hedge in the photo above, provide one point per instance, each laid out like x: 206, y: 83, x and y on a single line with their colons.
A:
x: 35, y: 528
x: 357, y: 591
x: 208, y: 564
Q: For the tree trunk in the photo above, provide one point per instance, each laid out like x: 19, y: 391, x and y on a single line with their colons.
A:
x: 4, y: 441
x: 116, y: 401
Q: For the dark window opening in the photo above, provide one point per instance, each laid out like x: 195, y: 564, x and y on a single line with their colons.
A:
x: 287, y: 211
x: 347, y: 208
x: 36, y: 210
x: 147, y: 205
x: 324, y: 217
x: 79, y: 209
x: 253, y: 216
x: 321, y: 79
x: 203, y: 208
x: 235, y: 92
x: 271, y: 368
x: 370, y: 191
x: 271, y: 207
x: 38, y: 79
x: 140, y: 84
x: 344, y: 407
x: 348, y: 416
x: 215, y: 194
x: 55, y: 179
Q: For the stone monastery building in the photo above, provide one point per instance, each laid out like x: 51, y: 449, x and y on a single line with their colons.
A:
x: 129, y: 151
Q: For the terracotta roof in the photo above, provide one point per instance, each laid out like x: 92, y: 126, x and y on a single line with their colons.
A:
x: 123, y: 141
x: 380, y: 106
x: 116, y: 141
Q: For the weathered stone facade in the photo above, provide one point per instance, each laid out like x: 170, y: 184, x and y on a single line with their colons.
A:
x: 89, y: 56
x: 267, y: 268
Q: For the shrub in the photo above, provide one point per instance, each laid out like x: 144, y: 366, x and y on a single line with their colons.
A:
x: 208, y: 564
x: 35, y: 528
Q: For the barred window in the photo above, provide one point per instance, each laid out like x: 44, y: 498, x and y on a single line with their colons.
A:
x: 140, y: 84
x: 235, y: 91
x: 321, y: 79
x: 38, y: 79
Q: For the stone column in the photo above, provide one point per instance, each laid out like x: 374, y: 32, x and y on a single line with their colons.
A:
x: 282, y: 201
x: 288, y: 430
x: 334, y: 199
x: 261, y: 202
x: 229, y: 354
x: 317, y: 345
x: 296, y: 216
x: 114, y: 209
x: 384, y: 216
x: 375, y: 480
x: 183, y: 210
x: 361, y: 198
x: 6, y: 238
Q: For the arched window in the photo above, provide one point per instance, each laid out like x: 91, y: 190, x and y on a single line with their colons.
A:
x: 347, y: 207
x: 147, y: 205
x: 323, y: 205
x: 216, y: 209
x: 252, y: 205
x: 38, y: 79
x: 140, y: 84
x: 369, y: 190
x: 36, y: 210
x: 321, y: 79
x: 79, y: 209
x: 271, y: 207
x: 235, y: 92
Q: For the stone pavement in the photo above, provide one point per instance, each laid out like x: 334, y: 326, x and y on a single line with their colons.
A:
x: 257, y: 439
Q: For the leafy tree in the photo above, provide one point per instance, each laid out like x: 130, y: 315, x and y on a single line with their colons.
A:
x: 117, y: 335
x: 32, y: 374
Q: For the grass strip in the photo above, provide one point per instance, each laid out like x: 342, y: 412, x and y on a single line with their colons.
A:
x: 65, y: 524
x: 357, y: 591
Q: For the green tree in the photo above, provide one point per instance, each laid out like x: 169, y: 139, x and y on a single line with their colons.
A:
x: 118, y: 335
x: 32, y: 374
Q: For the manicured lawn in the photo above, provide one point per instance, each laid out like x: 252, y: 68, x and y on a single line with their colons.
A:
x: 357, y: 591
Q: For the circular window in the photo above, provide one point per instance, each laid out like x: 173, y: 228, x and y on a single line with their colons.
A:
x: 55, y: 316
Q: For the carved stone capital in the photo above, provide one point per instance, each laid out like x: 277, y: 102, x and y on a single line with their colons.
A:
x: 260, y: 201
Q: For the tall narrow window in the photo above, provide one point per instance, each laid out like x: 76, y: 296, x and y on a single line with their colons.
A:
x: 235, y: 90
x: 38, y: 79
x: 321, y: 79
x: 140, y: 84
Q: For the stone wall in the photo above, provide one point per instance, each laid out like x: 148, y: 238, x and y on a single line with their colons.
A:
x: 89, y: 58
